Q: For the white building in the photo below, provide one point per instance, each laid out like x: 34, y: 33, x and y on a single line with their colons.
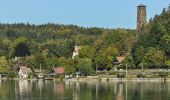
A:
x: 24, y: 72
x: 76, y: 51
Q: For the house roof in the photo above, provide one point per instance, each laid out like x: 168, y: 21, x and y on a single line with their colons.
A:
x: 59, y: 70
x: 120, y: 58
x: 24, y: 69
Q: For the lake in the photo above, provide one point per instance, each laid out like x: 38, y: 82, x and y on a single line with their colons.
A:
x: 53, y: 90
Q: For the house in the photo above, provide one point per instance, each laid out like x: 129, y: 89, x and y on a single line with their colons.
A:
x: 118, y: 61
x: 76, y: 51
x: 24, y: 72
x: 58, y: 71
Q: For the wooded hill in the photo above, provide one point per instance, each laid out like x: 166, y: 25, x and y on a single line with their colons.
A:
x: 152, y: 50
x: 52, y: 45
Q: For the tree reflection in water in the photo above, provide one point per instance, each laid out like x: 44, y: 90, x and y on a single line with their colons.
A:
x: 92, y: 90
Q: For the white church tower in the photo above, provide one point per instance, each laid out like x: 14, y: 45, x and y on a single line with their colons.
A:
x: 76, y: 51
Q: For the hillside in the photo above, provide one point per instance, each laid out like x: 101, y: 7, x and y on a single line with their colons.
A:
x: 53, y: 44
x: 152, y: 50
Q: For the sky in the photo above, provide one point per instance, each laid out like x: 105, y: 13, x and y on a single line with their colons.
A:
x: 86, y: 13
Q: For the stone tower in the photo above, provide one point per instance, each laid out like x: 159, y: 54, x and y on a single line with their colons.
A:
x: 141, y: 17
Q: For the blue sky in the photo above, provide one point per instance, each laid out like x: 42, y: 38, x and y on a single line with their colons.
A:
x: 87, y: 13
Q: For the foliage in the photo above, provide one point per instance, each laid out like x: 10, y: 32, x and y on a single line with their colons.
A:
x: 51, y: 45
x: 4, y: 66
x: 40, y: 61
x: 11, y: 74
x: 86, y: 52
x: 167, y: 62
x: 21, y: 48
x: 154, y: 57
x: 68, y: 64
x: 85, y: 66
x: 153, y: 46
x: 129, y: 61
x: 140, y: 75
x: 121, y: 75
x: 163, y: 74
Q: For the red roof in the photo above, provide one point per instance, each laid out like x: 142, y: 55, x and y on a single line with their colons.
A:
x: 24, y: 69
x: 120, y: 58
x: 59, y: 70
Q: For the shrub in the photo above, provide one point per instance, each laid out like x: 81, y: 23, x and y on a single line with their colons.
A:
x: 120, y: 75
x: 163, y: 74
x: 11, y: 74
x: 112, y: 73
x: 140, y: 75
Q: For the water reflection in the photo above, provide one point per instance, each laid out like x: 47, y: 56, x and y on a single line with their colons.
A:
x: 119, y: 95
x: 59, y: 87
x: 24, y: 87
x: 53, y: 90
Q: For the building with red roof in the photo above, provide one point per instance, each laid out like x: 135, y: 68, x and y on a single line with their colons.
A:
x: 120, y: 59
x: 58, y: 71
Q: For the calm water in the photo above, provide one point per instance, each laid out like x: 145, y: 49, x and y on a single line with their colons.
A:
x: 52, y: 90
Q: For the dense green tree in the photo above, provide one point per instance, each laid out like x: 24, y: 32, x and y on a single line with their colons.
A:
x: 138, y: 54
x: 85, y: 66
x: 128, y: 61
x: 154, y: 58
x: 86, y: 52
x: 40, y: 61
x: 70, y: 67
x: 21, y: 48
x: 68, y: 64
x: 4, y: 66
x: 167, y: 63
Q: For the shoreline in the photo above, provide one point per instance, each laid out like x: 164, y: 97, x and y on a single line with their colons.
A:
x: 97, y: 79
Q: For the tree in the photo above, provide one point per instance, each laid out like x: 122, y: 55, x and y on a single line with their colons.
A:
x: 138, y: 54
x: 129, y: 61
x: 52, y: 62
x: 168, y: 9
x: 40, y: 60
x: 31, y: 62
x: 4, y: 66
x: 154, y: 58
x: 68, y: 64
x: 5, y: 47
x: 21, y: 48
x: 86, y: 52
x: 167, y: 63
x: 166, y: 43
x: 85, y: 66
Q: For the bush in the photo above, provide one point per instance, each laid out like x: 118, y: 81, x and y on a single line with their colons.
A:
x: 120, y: 75
x: 11, y: 74
x: 30, y: 75
x: 140, y: 75
x: 163, y: 74
x: 112, y: 73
